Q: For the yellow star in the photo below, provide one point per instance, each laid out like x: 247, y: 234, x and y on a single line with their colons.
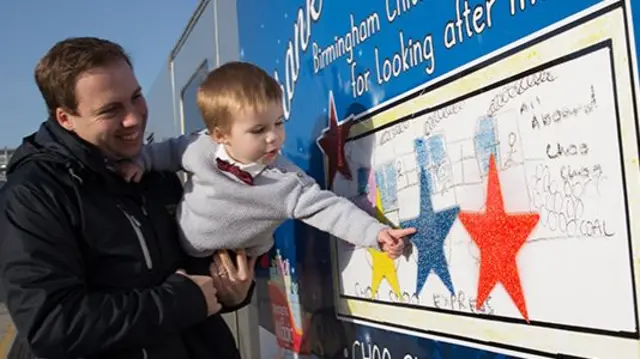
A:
x: 382, y: 266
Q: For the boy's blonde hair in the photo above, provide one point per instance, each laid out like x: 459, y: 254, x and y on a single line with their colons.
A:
x: 234, y: 87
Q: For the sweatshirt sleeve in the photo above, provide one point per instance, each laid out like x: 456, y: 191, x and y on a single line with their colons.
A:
x: 167, y: 155
x: 42, y: 271
x: 333, y: 214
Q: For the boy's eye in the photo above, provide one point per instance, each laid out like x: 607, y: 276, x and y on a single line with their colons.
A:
x: 257, y: 130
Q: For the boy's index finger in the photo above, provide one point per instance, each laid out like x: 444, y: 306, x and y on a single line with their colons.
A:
x: 403, y: 231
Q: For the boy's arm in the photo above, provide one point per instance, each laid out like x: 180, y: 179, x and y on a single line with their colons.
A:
x: 166, y: 155
x: 333, y: 214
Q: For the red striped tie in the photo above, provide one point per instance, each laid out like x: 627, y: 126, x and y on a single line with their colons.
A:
x: 244, y: 176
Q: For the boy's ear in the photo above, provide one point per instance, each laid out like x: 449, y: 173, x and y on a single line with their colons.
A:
x: 219, y: 136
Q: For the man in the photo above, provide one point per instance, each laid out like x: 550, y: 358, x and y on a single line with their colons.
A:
x: 91, y: 264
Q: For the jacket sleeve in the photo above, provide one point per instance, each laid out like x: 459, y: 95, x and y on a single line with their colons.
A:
x: 331, y: 213
x: 42, y: 271
x: 165, y: 155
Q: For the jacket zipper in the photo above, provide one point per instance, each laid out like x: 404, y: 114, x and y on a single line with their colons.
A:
x: 141, y: 240
x: 144, y: 206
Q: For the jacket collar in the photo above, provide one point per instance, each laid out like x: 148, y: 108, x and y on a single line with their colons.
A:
x: 53, y: 143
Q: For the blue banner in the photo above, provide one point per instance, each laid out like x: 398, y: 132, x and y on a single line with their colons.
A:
x: 363, y: 54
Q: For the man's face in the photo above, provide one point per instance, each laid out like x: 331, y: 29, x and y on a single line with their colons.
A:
x: 111, y: 113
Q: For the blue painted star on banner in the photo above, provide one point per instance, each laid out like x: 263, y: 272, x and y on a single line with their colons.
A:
x: 433, y: 228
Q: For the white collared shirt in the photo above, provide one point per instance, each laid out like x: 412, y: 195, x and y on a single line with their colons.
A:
x: 254, y: 169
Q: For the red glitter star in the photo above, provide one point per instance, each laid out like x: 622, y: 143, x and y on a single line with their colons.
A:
x: 332, y: 142
x: 499, y: 236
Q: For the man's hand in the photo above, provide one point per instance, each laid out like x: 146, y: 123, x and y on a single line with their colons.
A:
x: 391, y: 241
x: 232, y: 281
x: 130, y: 171
x: 205, y: 283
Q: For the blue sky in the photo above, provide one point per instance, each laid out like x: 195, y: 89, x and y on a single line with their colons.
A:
x: 147, y: 29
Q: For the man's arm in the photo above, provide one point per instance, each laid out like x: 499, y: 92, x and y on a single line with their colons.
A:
x: 42, y: 271
x: 333, y: 214
x: 165, y: 155
x: 244, y: 303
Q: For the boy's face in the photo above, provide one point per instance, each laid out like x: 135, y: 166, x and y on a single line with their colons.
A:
x: 254, y: 136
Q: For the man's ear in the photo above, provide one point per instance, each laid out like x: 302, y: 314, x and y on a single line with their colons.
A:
x: 64, y: 119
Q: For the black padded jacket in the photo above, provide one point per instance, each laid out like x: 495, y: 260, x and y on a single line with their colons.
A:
x: 88, y: 261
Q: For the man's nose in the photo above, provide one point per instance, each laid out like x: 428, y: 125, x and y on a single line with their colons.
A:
x: 132, y: 118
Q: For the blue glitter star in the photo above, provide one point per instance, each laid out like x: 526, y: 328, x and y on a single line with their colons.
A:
x: 432, y: 229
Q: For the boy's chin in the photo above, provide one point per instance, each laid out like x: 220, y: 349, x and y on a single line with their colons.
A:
x: 267, y: 160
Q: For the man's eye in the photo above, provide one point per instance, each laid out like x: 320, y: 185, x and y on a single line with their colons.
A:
x: 109, y: 113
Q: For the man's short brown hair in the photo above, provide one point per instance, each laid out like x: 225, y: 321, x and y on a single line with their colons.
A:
x: 233, y: 87
x: 58, y: 71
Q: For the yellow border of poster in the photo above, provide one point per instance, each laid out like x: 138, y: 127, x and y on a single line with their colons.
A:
x: 609, y: 26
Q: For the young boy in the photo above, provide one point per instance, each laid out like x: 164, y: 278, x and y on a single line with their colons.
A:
x: 239, y: 188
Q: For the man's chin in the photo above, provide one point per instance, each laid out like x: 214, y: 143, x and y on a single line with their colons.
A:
x: 130, y: 151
